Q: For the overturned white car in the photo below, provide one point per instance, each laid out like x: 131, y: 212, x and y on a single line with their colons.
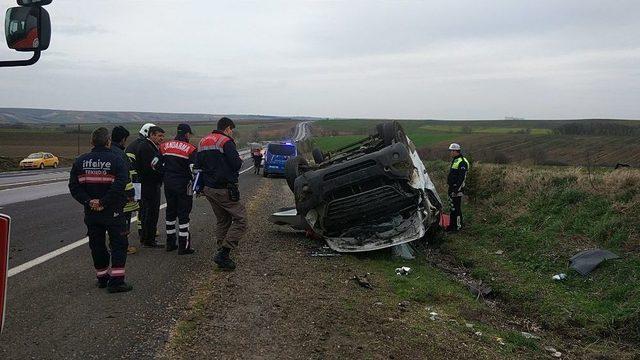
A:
x: 369, y: 195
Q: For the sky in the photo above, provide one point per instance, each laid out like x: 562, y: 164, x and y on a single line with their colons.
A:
x: 542, y: 59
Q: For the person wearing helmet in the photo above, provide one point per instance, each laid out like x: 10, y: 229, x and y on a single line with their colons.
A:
x: 455, y: 180
x: 132, y: 153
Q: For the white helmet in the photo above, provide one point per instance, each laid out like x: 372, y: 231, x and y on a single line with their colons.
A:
x: 454, y: 147
x: 144, y: 130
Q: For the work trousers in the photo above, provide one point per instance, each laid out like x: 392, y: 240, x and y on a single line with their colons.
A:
x: 179, y: 204
x: 150, y: 211
x: 456, y: 212
x: 98, y: 225
x: 231, y: 217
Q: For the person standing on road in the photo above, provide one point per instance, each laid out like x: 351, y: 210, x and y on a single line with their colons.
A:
x: 219, y: 164
x: 97, y: 181
x: 178, y: 157
x: 132, y: 153
x: 149, y: 166
x: 256, y: 154
x: 119, y: 136
x: 455, y: 180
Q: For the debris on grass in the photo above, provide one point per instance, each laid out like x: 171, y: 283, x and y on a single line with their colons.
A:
x: 559, y: 277
x: 363, y: 281
x: 324, y: 251
x: 584, y: 262
x: 555, y: 353
x: 500, y: 341
x: 499, y: 252
x: 528, y: 335
x: 403, y: 270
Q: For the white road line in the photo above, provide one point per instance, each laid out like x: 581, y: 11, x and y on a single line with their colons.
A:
x: 46, y: 257
x: 34, y: 182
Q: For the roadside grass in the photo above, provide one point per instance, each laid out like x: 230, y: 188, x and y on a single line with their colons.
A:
x: 441, y: 302
x: 541, y: 216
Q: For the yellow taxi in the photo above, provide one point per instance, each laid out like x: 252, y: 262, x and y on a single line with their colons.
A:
x: 39, y: 160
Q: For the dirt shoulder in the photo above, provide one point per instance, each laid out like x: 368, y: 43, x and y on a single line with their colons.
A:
x: 283, y: 303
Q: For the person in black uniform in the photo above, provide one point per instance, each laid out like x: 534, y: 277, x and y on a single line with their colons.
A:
x: 178, y: 157
x: 119, y: 136
x: 148, y: 160
x: 455, y: 180
x: 132, y: 153
x: 97, y: 181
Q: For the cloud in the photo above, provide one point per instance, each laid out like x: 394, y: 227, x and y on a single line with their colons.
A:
x: 436, y: 59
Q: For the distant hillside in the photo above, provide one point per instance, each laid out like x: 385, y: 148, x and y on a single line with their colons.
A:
x: 12, y: 116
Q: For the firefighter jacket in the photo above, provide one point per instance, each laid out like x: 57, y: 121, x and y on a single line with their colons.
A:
x: 132, y: 204
x: 100, y: 174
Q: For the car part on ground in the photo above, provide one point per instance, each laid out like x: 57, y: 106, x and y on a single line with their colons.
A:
x: 371, y: 194
x: 586, y: 261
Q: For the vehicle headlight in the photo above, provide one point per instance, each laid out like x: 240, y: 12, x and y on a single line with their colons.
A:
x: 312, y: 217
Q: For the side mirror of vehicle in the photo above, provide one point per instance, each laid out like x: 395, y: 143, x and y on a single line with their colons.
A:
x: 28, y: 28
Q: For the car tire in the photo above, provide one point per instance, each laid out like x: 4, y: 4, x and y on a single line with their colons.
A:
x: 55, y: 165
x: 390, y: 132
x: 318, y: 156
x: 41, y: 167
x: 292, y: 169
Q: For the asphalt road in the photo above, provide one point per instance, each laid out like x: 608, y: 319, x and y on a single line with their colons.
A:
x: 302, y: 131
x: 54, y: 309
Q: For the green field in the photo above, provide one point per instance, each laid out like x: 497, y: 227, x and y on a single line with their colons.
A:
x: 533, y: 142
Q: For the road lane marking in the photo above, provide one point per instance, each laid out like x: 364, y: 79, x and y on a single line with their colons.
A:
x: 34, y: 182
x: 46, y: 257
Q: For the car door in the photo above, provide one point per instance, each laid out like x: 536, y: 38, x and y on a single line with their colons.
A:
x: 47, y: 160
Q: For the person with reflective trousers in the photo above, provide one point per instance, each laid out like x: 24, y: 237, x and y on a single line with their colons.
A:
x: 219, y: 163
x: 132, y: 153
x: 455, y: 180
x: 97, y: 181
x: 119, y: 136
x: 178, y: 157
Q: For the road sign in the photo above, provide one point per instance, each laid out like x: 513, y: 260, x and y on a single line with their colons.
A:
x: 5, y: 232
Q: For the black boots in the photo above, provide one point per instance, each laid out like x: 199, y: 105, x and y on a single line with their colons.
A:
x: 118, y: 288
x: 223, y: 260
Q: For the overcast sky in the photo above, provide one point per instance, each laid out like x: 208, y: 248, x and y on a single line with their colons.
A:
x: 394, y: 59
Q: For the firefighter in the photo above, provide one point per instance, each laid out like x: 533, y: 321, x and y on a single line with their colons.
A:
x: 455, y: 180
x: 132, y: 152
x: 97, y: 181
x: 149, y: 166
x: 219, y: 162
x: 119, y: 136
x: 178, y: 157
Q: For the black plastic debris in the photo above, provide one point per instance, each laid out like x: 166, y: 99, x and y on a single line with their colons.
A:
x: 363, y: 281
x: 584, y: 262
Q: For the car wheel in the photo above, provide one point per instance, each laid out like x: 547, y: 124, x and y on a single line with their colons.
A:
x: 41, y: 166
x: 55, y: 165
x: 390, y: 132
x: 292, y: 169
x: 318, y: 156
